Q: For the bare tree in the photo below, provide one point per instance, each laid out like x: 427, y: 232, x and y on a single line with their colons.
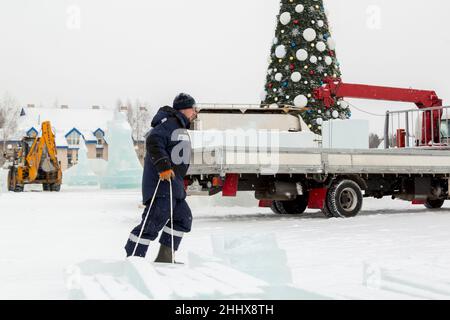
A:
x: 9, y: 115
x: 119, y: 104
x: 56, y: 104
x: 139, y: 117
x: 374, y: 141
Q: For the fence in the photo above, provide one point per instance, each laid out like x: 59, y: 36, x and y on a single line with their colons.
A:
x: 417, y: 128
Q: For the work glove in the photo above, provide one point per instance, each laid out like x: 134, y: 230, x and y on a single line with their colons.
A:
x: 167, y: 175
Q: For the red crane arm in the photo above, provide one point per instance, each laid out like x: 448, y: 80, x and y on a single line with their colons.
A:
x: 335, y: 89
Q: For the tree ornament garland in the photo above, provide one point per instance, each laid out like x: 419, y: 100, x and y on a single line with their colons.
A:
x: 302, y: 56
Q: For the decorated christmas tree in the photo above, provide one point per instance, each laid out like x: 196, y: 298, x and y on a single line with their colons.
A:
x: 302, y: 56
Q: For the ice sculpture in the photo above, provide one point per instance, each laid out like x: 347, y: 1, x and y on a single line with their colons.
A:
x: 124, y: 171
x: 81, y: 174
x: 258, y: 255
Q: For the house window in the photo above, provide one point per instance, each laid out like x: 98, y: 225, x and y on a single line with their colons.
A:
x: 72, y: 157
x: 99, y: 153
x: 100, y: 136
x: 69, y: 158
x: 73, y: 139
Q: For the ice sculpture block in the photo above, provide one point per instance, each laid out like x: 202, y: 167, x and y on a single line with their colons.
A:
x: 124, y: 171
x: 81, y: 174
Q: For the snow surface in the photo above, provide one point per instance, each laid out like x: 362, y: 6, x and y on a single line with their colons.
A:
x: 392, y: 250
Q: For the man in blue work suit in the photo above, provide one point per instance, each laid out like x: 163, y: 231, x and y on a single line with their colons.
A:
x: 167, y: 158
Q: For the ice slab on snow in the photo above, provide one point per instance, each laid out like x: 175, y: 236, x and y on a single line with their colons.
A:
x: 242, y: 267
x: 399, y: 280
x: 124, y: 171
x: 81, y: 174
x: 345, y: 134
x: 137, y: 278
x: 258, y: 255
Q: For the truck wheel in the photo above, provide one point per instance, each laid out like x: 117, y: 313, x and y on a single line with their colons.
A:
x: 345, y: 199
x: 434, y: 204
x: 326, y: 211
x: 10, y: 181
x: 274, y: 208
x: 55, y: 187
x: 46, y: 187
x: 297, y: 206
x: 18, y: 188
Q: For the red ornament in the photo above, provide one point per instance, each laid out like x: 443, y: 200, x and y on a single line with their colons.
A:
x: 312, y: 72
x: 331, y: 53
x: 270, y: 85
x: 295, y: 21
x: 291, y: 66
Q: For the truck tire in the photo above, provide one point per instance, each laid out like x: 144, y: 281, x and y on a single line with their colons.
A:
x: 297, y: 206
x: 55, y: 187
x: 274, y: 208
x: 46, y: 187
x: 345, y: 199
x: 434, y: 204
x: 10, y: 180
x: 326, y: 211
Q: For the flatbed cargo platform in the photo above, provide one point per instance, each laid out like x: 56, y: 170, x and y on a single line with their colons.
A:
x: 320, y: 161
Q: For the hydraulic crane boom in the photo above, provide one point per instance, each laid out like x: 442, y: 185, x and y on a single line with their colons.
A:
x: 334, y: 89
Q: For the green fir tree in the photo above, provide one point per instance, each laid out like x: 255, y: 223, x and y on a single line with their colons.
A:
x: 302, y: 56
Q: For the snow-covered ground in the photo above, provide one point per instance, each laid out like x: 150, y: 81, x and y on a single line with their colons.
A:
x: 391, y: 250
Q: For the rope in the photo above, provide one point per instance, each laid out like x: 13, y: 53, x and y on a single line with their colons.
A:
x: 367, y: 112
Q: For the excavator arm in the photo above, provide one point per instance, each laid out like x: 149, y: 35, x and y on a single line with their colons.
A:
x: 43, y: 146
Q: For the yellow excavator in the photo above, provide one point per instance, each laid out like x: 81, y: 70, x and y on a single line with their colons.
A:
x: 36, y: 162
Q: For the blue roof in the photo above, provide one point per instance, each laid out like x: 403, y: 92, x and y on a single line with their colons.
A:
x: 32, y: 129
x: 99, y: 129
x: 74, y: 130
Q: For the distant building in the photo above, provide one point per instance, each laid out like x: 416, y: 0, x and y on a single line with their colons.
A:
x: 71, y: 126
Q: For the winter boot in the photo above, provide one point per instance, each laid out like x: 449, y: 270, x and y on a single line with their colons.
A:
x: 165, y: 255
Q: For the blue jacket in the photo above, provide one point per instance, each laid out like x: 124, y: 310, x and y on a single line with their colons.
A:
x: 168, y: 147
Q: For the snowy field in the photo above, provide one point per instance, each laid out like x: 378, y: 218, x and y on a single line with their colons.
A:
x: 392, y: 250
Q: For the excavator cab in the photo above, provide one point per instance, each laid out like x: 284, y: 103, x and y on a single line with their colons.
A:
x: 36, y: 162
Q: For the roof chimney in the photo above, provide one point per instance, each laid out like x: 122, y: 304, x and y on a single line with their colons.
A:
x: 123, y: 108
x: 96, y: 107
x: 30, y: 105
x: 64, y: 106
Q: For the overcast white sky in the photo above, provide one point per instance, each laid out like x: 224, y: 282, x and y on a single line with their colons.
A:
x: 216, y: 50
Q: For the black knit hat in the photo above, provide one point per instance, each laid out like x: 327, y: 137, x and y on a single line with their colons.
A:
x: 183, y: 101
